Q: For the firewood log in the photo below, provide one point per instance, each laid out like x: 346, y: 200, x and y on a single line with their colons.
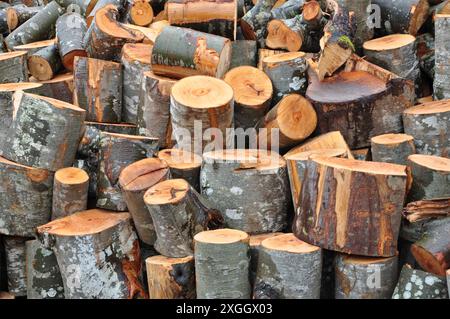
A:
x: 44, y: 279
x: 117, y: 151
x: 350, y: 187
x: 392, y: 148
x: 98, y: 254
x: 99, y: 5
x: 255, y: 249
x: 34, y: 47
x: 45, y: 63
x: 288, y: 268
x: 264, y: 53
x: 178, y: 214
x: 252, y: 90
x: 13, y: 67
x: 180, y: 52
x: 254, y: 22
x: 138, y: 12
x: 425, y: 53
x: 59, y: 88
x: 98, y: 89
x: 365, y: 277
x: 8, y: 20
x: 15, y: 265
x: 288, y: 9
x: 171, y: 278
x: 135, y: 180
x: 25, y: 13
x: 243, y: 52
x: 234, y: 180
x: 222, y: 264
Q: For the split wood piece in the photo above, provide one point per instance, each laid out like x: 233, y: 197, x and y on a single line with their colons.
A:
x: 392, y: 148
x: 45, y: 63
x: 217, y: 17
x: 135, y: 180
x: 418, y: 284
x: 431, y: 177
x: 13, y: 67
x: 429, y: 124
x: 351, y: 187
x: 365, y: 277
x: 180, y: 52
x: 289, y: 9
x: 34, y: 47
x: 264, y: 53
x: 117, y: 151
x: 25, y: 198
x: 252, y: 95
x: 407, y: 16
x: 25, y: 12
x: 426, y: 209
x: 135, y: 61
x: 222, y: 264
x: 59, y: 88
x: 153, y: 112
x: 170, y: 278
x: 44, y: 279
x: 244, y: 52
x: 250, y: 188
x: 39, y: 27
x: 106, y: 36
x: 98, y: 254
x: 98, y: 89
x: 442, y: 51
x: 150, y: 34
x: 70, y: 31
x: 287, y: 71
x: 178, y: 214
x: 70, y: 192
x: 205, y: 99
x: 138, y: 12
x: 99, y: 5
x: 288, y: 268
x: 183, y: 164
x: 8, y: 20
x: 254, y: 22
x: 15, y: 265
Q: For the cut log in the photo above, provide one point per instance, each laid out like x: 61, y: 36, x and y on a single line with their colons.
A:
x: 264, y: 53
x: 59, y: 88
x: 13, y: 67
x: 45, y: 63
x: 288, y: 268
x: 222, y: 264
x: 35, y: 46
x: 25, y: 12
x: 252, y: 95
x: 254, y: 22
x: 178, y: 214
x: 99, y: 4
x: 98, y: 89
x: 170, y: 278
x: 138, y: 12
x: 250, y: 188
x: 289, y: 9
x: 431, y: 177
x: 153, y: 113
x: 180, y: 52
x: 244, y: 52
x: 365, y: 277
x: 117, y: 151
x: 392, y: 148
x: 442, y: 51
x: 351, y: 206
x: 15, y: 265
x: 135, y: 180
x: 44, y: 279
x: 429, y: 124
x: 98, y: 254
x: 205, y: 100
x: 8, y: 20
x: 426, y: 209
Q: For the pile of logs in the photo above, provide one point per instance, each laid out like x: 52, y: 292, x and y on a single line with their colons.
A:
x: 181, y: 149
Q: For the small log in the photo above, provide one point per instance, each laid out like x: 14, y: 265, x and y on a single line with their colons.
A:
x: 255, y: 249
x: 42, y: 271
x: 70, y: 31
x: 392, y: 148
x: 254, y: 22
x: 13, y: 67
x: 350, y: 187
x: 365, y: 277
x: 135, y: 180
x: 34, y: 47
x: 418, y: 284
x: 243, y: 52
x: 222, y: 264
x: 99, y: 4
x: 252, y: 95
x: 98, y: 254
x: 8, y: 20
x: 178, y: 213
x: 98, y: 89
x: 138, y: 12
x: 45, y: 63
x: 289, y: 9
x: 25, y: 13
x: 426, y: 209
x: 430, y: 175
x: 264, y: 53
x: 117, y: 151
x: 171, y: 278
x: 234, y: 180
x: 15, y: 265
x: 180, y: 52
x: 59, y: 88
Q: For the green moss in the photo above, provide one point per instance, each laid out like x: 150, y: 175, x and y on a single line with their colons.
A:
x: 345, y: 41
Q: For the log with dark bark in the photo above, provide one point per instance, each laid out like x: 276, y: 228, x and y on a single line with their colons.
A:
x: 244, y: 52
x: 178, y: 214
x: 98, y: 255
x: 426, y: 53
x: 59, y: 88
x: 254, y: 22
x: 25, y: 13
x: 15, y: 265
x: 45, y: 63
x: 425, y: 209
x: 13, y: 67
x: 35, y: 46
x: 8, y: 20
x: 138, y: 12
x: 254, y: 251
x: 392, y: 148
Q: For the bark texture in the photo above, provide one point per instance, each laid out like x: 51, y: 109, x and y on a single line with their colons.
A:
x: 244, y: 52
x: 13, y: 67
x: 70, y: 31
x: 15, y: 265
x: 392, y: 148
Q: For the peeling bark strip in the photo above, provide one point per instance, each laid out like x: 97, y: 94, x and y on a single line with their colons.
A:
x: 45, y: 63
x: 98, y: 89
x: 418, y: 284
x: 135, y: 180
x: 171, y: 278
x: 180, y: 52
x: 178, y: 213
x: 117, y: 151
x: 392, y: 148
x: 45, y: 133
x: 365, y: 277
x: 254, y: 22
x: 249, y: 187
x: 442, y: 51
x: 13, y: 67
x: 255, y: 249
x: 425, y: 209
x: 98, y: 255
x: 244, y: 52
x: 59, y: 88
x: 351, y: 206
x: 15, y: 265
x: 288, y: 269
x: 44, y: 279
x: 222, y: 264
x: 70, y: 31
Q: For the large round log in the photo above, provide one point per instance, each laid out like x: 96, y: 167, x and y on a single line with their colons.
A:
x: 13, y: 67
x: 45, y: 63
x: 392, y: 148
x: 15, y: 265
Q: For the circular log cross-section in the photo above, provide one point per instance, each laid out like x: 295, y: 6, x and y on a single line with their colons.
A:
x: 222, y: 264
x: 140, y: 12
x: 45, y: 63
x: 13, y: 67
x: 8, y: 20
x: 392, y: 148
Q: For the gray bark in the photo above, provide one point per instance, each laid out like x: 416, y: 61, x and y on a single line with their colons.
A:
x: 47, y: 57
x: 254, y: 251
x: 442, y: 53
x: 396, y: 153
x: 70, y: 31
x: 244, y: 52
x: 13, y: 67
x: 254, y: 22
x: 60, y: 88
x: 15, y: 265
